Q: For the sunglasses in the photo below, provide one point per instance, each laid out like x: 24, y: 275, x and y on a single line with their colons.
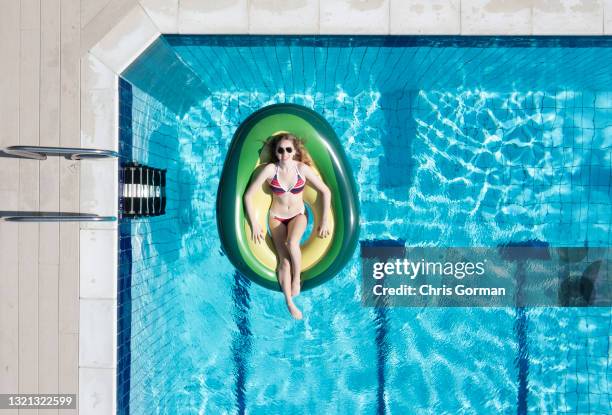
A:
x: 282, y: 150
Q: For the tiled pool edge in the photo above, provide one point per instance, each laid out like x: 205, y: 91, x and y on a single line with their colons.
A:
x: 145, y: 21
x: 124, y: 258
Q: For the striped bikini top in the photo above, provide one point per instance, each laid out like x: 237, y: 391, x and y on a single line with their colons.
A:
x: 277, y: 189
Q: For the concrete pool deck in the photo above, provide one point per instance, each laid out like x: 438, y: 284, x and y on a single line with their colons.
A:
x: 59, y: 87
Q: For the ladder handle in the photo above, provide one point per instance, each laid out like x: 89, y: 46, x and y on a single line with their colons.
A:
x: 24, y: 217
x: 70, y: 153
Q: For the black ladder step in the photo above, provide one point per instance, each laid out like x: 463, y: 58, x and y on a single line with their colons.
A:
x: 143, y: 191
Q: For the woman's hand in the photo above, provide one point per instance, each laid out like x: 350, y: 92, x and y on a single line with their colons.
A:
x: 318, y: 184
x: 323, y: 229
x: 257, y: 234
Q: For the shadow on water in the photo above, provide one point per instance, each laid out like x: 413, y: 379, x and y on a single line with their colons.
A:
x: 595, y: 173
x: 160, y: 72
x: 396, y: 166
x: 156, y: 240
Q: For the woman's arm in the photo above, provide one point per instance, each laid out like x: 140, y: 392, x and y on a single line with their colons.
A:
x: 256, y: 183
x: 319, y: 185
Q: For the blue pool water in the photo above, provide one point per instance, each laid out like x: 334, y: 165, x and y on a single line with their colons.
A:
x: 453, y: 142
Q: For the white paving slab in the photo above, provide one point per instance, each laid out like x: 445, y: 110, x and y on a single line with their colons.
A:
x: 99, y: 191
x: 99, y: 119
x: 128, y: 39
x: 96, y: 75
x: 489, y: 17
x: 223, y: 16
x: 164, y: 14
x: 97, y: 391
x: 354, y: 17
x: 608, y: 17
x: 283, y: 17
x: 98, y: 333
x: 98, y: 264
x: 425, y: 17
x: 568, y: 17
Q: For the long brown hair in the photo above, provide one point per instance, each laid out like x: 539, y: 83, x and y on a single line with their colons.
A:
x: 301, y: 154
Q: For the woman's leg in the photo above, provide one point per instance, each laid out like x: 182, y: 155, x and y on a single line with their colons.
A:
x: 279, y: 235
x: 295, y: 230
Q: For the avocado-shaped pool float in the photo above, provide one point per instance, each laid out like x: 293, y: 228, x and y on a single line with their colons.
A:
x: 322, y: 258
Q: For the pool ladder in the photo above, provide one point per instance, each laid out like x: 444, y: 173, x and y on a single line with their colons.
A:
x: 41, y: 153
x: 143, y: 191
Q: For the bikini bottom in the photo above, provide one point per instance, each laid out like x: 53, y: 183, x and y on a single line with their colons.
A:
x: 285, y: 221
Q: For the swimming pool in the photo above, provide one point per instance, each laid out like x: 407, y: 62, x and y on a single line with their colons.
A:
x: 453, y: 142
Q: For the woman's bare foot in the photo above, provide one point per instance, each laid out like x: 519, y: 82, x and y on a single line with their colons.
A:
x: 295, y: 287
x: 295, y: 312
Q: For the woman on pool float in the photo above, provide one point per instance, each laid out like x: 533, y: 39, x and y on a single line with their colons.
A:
x: 287, y: 219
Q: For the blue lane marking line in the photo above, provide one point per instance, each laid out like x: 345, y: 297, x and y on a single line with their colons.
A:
x: 381, y: 324
x: 243, y: 339
x: 522, y: 322
x: 522, y: 360
x: 382, y: 351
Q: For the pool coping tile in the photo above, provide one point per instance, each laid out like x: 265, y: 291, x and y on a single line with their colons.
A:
x: 200, y: 17
x: 99, y: 350
x: 97, y: 391
x: 98, y: 265
x: 486, y: 17
x: 425, y: 17
x: 163, y: 13
x: 574, y: 18
x: 298, y: 17
x: 369, y: 17
x: 127, y: 40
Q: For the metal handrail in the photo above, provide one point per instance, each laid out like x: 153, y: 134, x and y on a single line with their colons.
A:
x: 19, y: 216
x: 70, y: 153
